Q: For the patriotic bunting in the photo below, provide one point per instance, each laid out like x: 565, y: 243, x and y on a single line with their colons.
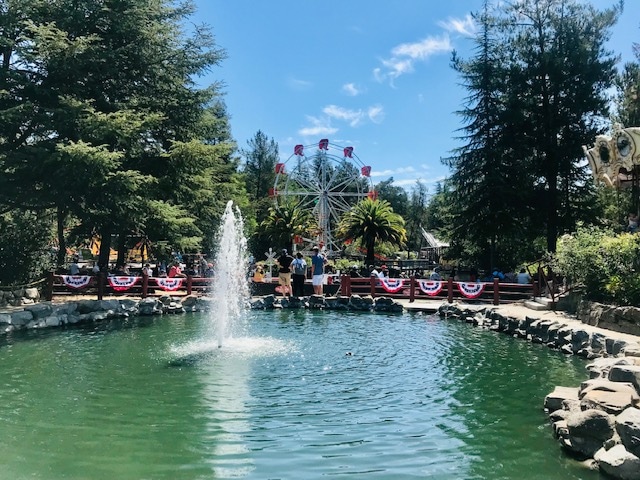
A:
x: 430, y: 287
x: 392, y: 285
x: 76, y: 281
x: 120, y: 284
x: 169, y: 284
x: 471, y: 290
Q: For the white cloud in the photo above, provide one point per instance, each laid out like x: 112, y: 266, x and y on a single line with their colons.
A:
x: 423, y: 49
x: 393, y: 172
x: 405, y: 55
x: 352, y: 89
x: 319, y: 126
x: 465, y: 26
x: 353, y: 117
x: 298, y: 84
x: 376, y: 113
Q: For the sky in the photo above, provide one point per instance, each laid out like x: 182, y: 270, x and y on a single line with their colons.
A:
x: 371, y: 74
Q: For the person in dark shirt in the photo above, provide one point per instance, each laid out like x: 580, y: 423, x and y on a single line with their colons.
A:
x: 284, y: 275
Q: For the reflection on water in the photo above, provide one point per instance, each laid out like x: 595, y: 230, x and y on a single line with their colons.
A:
x: 418, y: 397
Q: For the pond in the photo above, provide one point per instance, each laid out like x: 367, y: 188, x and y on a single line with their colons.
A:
x: 298, y: 395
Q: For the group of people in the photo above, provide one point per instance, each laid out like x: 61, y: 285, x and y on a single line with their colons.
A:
x: 293, y: 272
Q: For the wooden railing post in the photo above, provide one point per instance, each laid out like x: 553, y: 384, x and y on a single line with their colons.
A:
x: 49, y: 286
x: 536, y: 289
x: 189, y: 284
x: 496, y: 291
x: 450, y: 290
x: 145, y: 283
x: 373, y: 281
x: 412, y: 289
x: 102, y: 278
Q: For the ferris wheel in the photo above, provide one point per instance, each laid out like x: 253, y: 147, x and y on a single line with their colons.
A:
x: 328, y: 180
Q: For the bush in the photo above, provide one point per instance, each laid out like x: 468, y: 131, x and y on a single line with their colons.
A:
x: 605, y: 264
x: 25, y: 253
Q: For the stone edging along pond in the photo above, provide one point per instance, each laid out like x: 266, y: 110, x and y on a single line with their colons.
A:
x: 598, y: 421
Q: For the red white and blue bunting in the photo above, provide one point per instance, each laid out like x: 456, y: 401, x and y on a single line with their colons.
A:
x: 120, y: 284
x: 430, y: 287
x: 471, y: 290
x: 392, y: 285
x: 169, y: 284
x: 76, y: 281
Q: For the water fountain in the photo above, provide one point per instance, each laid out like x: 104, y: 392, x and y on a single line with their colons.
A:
x: 230, y: 291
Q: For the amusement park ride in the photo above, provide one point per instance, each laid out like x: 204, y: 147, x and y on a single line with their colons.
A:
x: 615, y: 159
x: 328, y: 180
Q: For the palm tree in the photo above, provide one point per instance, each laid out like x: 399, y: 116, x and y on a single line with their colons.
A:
x: 373, y: 221
x: 285, y: 221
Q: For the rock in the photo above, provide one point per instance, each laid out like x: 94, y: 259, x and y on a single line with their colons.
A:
x: 632, y: 351
x: 52, y: 321
x: 619, y: 463
x: 626, y: 373
x: 88, y: 306
x: 5, y: 318
x: 32, y: 293
x: 21, y: 318
x: 628, y: 428
x: 610, y: 402
x: 40, y: 310
x: 607, y: 386
x: 317, y: 302
x: 150, y: 306
x: 588, y: 430
x: 579, y: 340
x: 554, y: 400
x: 356, y: 302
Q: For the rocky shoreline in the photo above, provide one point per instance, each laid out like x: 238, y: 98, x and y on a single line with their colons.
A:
x: 598, y: 422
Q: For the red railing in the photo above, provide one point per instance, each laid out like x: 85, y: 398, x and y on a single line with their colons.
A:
x: 99, y: 285
x: 496, y: 292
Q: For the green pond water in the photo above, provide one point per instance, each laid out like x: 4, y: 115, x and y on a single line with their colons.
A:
x: 419, y: 397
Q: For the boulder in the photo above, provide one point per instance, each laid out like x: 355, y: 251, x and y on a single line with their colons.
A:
x: 21, y: 318
x: 317, y: 302
x: 5, y: 319
x: 588, y: 430
x: 608, y: 386
x: 610, y: 402
x: 32, y: 293
x: 150, y: 306
x: 554, y: 400
x: 618, y: 462
x: 579, y: 340
x: 628, y: 428
x: 40, y: 310
x: 356, y: 302
x: 626, y: 373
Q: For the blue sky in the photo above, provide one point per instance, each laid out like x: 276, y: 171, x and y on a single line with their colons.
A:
x: 371, y: 74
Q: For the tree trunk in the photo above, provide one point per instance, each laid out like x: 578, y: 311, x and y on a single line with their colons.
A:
x: 105, y: 248
x: 122, y: 249
x: 61, y: 216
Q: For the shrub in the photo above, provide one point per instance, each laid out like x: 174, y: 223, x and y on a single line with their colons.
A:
x: 605, y: 264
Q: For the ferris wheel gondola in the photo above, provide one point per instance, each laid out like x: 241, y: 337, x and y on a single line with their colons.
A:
x: 326, y: 178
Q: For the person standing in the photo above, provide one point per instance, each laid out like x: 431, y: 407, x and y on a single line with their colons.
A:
x: 318, y: 261
x: 284, y: 272
x: 299, y: 274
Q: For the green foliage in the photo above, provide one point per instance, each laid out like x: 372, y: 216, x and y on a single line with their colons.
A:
x: 283, y: 222
x: 25, y: 247
x: 605, y: 264
x: 372, y: 222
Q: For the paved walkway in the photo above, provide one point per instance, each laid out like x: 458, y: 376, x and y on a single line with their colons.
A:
x: 518, y: 310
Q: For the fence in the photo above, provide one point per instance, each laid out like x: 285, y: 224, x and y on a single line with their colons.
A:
x: 411, y: 288
x: 101, y: 285
x: 414, y: 288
